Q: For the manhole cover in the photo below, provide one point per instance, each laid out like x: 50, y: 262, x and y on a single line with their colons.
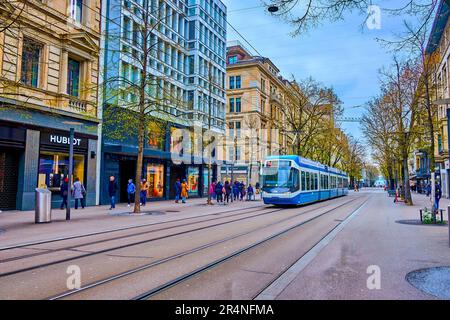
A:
x: 419, y: 223
x: 434, y: 281
x: 155, y: 213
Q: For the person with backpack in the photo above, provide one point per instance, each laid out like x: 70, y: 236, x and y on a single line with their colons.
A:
x: 78, y: 193
x: 131, y: 192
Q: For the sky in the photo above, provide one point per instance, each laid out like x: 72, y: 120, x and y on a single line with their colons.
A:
x: 343, y: 55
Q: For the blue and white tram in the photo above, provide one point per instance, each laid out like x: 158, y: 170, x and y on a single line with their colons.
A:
x: 293, y: 180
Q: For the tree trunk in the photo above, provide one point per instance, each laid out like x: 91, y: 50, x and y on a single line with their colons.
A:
x: 407, y: 188
x: 140, y: 160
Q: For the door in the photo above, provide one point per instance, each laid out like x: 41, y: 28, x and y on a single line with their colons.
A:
x: 176, y: 172
x: 127, y: 169
x: 9, y: 173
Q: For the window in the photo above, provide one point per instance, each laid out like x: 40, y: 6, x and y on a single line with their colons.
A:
x: 232, y: 82
x: 238, y: 104
x: 232, y: 105
x: 73, y: 77
x: 232, y: 60
x: 238, y: 82
x: 31, y: 54
x: 54, y: 168
x: 238, y: 129
x: 155, y: 180
x: 76, y: 10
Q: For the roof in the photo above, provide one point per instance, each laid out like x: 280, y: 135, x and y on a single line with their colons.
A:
x: 440, y: 21
x: 304, y: 162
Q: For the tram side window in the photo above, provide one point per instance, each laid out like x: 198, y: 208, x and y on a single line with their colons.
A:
x: 303, y: 180
x: 345, y: 182
x: 340, y: 183
x: 308, y: 181
x: 316, y: 182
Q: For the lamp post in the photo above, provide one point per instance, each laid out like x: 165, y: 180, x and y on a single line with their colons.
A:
x: 69, y: 184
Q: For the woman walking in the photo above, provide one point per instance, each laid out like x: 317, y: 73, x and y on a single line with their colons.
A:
x: 78, y: 193
x: 184, y: 191
x: 219, y: 191
x: 144, y: 191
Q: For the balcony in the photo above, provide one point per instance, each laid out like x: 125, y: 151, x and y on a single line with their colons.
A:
x: 77, y: 105
x: 275, y: 98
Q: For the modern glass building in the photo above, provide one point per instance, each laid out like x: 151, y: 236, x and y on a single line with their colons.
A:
x: 186, y: 58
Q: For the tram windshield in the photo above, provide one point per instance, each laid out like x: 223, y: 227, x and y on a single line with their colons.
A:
x: 280, y: 179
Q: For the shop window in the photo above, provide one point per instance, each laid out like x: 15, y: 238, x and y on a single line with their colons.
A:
x: 193, y: 179
x: 54, y: 168
x: 155, y: 180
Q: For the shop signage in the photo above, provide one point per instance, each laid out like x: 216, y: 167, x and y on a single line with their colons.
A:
x: 57, y: 139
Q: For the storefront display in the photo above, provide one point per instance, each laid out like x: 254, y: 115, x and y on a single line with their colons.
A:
x: 54, y: 167
x: 155, y: 180
x: 193, y: 180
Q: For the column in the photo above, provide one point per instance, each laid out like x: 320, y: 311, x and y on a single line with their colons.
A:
x: 28, y: 176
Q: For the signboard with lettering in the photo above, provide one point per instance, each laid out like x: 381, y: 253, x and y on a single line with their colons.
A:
x: 58, y: 139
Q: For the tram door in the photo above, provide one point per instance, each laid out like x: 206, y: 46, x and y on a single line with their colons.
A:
x: 9, y: 174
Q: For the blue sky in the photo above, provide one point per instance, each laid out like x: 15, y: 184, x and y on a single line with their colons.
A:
x: 343, y: 55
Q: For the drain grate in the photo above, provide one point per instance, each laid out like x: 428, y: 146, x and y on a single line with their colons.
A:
x: 434, y: 281
x: 155, y: 213
x: 172, y: 211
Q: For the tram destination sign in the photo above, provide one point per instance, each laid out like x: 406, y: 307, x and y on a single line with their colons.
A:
x: 58, y: 139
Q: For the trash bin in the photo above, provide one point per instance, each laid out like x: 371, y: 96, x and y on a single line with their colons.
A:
x: 43, y: 211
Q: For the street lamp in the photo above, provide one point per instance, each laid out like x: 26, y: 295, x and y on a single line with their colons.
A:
x: 273, y: 8
x: 71, y: 138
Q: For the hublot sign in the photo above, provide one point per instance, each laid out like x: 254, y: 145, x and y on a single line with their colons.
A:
x: 57, y: 139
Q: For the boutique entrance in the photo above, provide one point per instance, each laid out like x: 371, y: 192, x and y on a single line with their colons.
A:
x: 9, y: 174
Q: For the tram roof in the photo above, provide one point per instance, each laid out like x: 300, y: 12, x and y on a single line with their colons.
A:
x: 307, y: 163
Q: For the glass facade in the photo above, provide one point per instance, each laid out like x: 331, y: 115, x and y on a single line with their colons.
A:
x: 54, y: 168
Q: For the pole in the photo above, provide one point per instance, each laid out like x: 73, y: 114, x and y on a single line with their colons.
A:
x: 209, y: 131
x: 69, y: 192
x: 448, y: 222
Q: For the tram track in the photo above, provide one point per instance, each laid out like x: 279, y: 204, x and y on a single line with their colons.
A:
x: 187, y: 276
x: 123, y: 275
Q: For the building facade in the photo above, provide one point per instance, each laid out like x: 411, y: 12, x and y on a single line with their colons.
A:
x: 255, y: 123
x: 49, y: 55
x: 187, y: 60
x: 438, y: 45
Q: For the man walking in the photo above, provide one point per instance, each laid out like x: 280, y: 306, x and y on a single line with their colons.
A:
x: 437, y: 197
x: 64, y: 193
x: 144, y: 191
x: 177, y: 190
x: 112, y: 190
x: 131, y: 192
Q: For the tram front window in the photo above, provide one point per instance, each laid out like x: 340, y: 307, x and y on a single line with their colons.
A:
x: 280, y: 180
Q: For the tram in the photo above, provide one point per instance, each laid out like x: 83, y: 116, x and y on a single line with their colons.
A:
x: 293, y: 180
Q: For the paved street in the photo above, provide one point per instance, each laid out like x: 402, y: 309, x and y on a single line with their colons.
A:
x: 244, y: 250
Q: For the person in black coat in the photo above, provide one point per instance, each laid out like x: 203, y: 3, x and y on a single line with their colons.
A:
x: 64, y: 193
x: 219, y: 192
x: 227, y: 191
x: 112, y: 190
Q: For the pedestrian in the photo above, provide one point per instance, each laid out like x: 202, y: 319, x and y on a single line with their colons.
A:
x: 144, y: 192
x: 241, y: 190
x: 219, y: 191
x: 437, y: 197
x: 112, y: 190
x: 428, y: 189
x: 235, y: 190
x: 64, y: 192
x: 131, y: 192
x: 250, y: 192
x: 177, y: 190
x: 77, y: 193
x: 184, y: 191
x: 258, y: 188
x: 212, y: 189
x: 228, y: 190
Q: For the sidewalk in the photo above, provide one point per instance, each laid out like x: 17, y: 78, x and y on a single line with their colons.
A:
x: 18, y: 226
x: 375, y: 238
